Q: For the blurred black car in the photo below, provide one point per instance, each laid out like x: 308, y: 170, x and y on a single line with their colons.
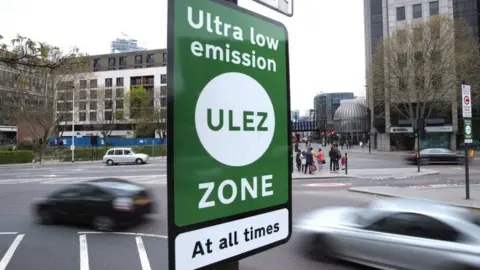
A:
x: 104, y: 203
x: 436, y: 156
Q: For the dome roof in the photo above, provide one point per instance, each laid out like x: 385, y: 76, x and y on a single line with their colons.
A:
x: 351, y: 110
x: 351, y: 116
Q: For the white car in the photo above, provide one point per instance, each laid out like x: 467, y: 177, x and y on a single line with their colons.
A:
x: 116, y: 156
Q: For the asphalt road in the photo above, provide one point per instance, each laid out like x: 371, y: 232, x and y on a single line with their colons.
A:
x: 26, y: 245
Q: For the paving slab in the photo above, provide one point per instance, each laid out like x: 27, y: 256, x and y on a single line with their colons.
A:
x: 450, y: 195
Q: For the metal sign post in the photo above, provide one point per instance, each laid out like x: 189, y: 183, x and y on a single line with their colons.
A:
x: 467, y: 131
x: 228, y: 92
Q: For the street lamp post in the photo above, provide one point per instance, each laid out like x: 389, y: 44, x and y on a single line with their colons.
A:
x: 72, y: 147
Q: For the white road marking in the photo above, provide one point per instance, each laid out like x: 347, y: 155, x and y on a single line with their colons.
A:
x: 8, y: 233
x: 11, y: 250
x: 142, y: 253
x: 126, y: 233
x: 84, y: 264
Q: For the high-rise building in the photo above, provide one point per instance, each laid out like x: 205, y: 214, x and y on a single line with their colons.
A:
x: 100, y: 95
x: 382, y: 18
x: 324, y: 107
x: 122, y: 45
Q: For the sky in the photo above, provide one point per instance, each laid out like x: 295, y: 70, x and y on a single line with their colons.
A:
x: 327, y: 47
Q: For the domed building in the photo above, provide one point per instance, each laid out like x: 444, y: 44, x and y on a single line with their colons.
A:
x: 351, y: 120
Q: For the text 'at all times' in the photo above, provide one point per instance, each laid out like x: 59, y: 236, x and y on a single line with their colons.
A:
x: 216, y: 26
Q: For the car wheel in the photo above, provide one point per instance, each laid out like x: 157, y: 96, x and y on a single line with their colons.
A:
x: 139, y: 161
x: 319, y: 250
x: 103, y: 223
x: 110, y: 162
x: 44, y: 216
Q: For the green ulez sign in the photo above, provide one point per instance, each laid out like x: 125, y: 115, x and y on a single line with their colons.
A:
x: 228, y: 126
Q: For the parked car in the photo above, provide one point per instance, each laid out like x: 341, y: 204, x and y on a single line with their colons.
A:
x: 116, y: 156
x: 436, y: 156
x: 394, y: 234
x: 103, y: 203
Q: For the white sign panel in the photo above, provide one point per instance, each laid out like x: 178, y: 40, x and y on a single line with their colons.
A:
x: 219, y: 242
x: 466, y: 101
x: 283, y: 6
x: 439, y: 129
x: 401, y: 130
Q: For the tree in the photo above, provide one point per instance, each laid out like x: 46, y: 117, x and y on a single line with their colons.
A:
x: 142, y: 111
x: 418, y: 69
x: 159, y: 116
x: 38, y: 71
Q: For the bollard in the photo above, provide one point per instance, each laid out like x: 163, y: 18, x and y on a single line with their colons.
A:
x: 346, y: 163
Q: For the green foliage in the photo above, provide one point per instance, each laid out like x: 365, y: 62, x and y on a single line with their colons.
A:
x: 17, y: 156
x: 86, y: 154
x: 141, y: 107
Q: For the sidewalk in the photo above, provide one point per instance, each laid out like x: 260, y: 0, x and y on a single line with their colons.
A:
x: 355, y: 149
x: 449, y: 195
x: 399, y: 173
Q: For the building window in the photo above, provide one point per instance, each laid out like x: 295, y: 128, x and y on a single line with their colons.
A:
x: 163, y: 90
x: 108, y: 116
x: 122, y: 60
x: 119, y: 104
x: 163, y: 78
x: 83, y: 84
x: 433, y: 6
x: 93, y: 83
x: 121, y: 68
x: 119, y: 82
x: 93, y: 94
x: 96, y: 63
x: 119, y: 93
x: 400, y: 13
x: 82, y: 106
x: 150, y: 58
x: 150, y: 81
x: 108, y: 82
x: 93, y: 105
x: 108, y: 104
x: 111, y: 61
x: 417, y: 11
x: 138, y: 59
x: 82, y: 116
x: 93, y: 116
x: 108, y: 93
x: 83, y: 94
x: 164, y: 57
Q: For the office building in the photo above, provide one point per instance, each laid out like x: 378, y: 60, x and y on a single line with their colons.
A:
x: 123, y: 45
x: 100, y: 96
x: 324, y: 107
x: 382, y: 17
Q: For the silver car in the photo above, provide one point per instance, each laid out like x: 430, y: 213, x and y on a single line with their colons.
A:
x: 116, y: 156
x: 395, y: 234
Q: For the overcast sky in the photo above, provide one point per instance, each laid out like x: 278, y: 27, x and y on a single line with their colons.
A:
x: 326, y: 37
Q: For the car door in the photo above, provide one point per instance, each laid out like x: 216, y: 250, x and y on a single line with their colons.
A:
x: 66, y: 202
x: 93, y: 201
x: 410, y: 241
x: 129, y: 156
x: 118, y: 156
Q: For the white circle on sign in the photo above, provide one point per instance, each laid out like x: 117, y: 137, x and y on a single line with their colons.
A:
x: 468, y: 129
x: 229, y: 139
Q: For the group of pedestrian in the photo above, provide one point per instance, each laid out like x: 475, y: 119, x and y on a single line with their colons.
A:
x: 336, y: 158
x: 309, y: 160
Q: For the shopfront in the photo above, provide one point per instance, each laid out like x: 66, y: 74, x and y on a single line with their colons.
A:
x: 436, y: 137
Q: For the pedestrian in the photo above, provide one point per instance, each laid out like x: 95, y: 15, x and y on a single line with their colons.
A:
x: 309, y: 162
x: 320, y: 158
x: 298, y: 159
x: 343, y: 163
x: 332, y: 155
x: 337, y: 160
x: 303, y: 161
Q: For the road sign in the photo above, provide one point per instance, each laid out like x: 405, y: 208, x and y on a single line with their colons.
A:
x: 467, y: 130
x: 283, y: 6
x: 228, y: 158
x: 466, y: 101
